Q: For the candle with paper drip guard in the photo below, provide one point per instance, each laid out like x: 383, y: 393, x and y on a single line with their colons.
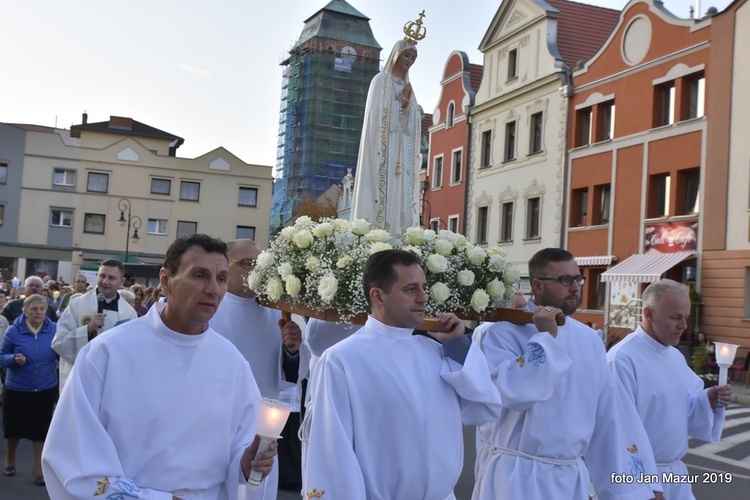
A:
x: 724, y: 359
x: 272, y: 417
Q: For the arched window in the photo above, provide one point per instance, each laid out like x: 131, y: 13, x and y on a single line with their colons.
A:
x: 449, y: 116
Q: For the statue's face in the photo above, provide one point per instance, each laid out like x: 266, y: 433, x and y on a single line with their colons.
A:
x: 406, y: 60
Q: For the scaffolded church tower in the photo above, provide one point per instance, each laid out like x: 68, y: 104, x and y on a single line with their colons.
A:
x: 323, y: 96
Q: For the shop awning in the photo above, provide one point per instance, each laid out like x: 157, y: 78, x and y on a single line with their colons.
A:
x: 645, y: 267
x: 595, y: 260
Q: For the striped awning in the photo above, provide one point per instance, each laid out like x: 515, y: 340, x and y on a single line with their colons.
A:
x: 595, y: 260
x: 645, y: 267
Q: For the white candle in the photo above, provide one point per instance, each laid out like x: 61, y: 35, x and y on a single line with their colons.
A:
x: 724, y: 358
x: 272, y: 417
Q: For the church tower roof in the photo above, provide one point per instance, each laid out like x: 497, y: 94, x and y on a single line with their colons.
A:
x: 338, y: 20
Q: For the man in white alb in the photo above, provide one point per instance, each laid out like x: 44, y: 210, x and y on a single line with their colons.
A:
x: 161, y: 407
x: 387, y: 406
x: 668, y: 395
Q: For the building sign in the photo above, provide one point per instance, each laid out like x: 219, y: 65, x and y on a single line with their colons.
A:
x: 671, y: 237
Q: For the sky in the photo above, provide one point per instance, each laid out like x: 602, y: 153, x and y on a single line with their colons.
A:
x: 208, y: 72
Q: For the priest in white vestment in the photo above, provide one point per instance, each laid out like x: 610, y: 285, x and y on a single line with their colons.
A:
x: 386, y: 181
x: 387, y: 407
x: 669, y: 397
x: 161, y: 407
x: 564, y: 424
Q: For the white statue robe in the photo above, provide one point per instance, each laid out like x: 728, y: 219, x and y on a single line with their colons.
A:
x: 385, y: 417
x: 670, y: 400
x: 149, y: 413
x: 73, y: 331
x: 386, y: 182
x: 560, y: 404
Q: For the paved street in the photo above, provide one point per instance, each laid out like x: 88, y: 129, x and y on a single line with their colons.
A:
x: 715, y: 464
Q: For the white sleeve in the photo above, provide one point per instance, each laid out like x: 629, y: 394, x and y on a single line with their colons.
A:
x: 70, y: 338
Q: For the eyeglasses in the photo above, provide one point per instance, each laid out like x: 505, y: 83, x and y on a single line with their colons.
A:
x: 566, y: 280
x: 246, y: 263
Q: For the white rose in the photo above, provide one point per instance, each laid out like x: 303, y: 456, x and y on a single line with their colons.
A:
x: 511, y: 276
x: 274, y: 289
x: 476, y: 255
x: 415, y: 235
x: 344, y: 261
x: 288, y: 232
x: 293, y: 285
x: 323, y: 229
x: 461, y: 240
x: 285, y: 270
x: 443, y: 247
x: 303, y: 239
x: 480, y: 300
x: 439, y: 292
x: 360, y: 227
x: 264, y: 260
x: 341, y: 224
x: 497, y: 251
x: 446, y: 235
x: 437, y: 263
x: 429, y: 235
x: 496, y: 289
x: 466, y: 277
x: 327, y: 288
x: 253, y: 281
x: 412, y: 248
x: 378, y: 235
x: 496, y: 263
x: 303, y: 222
x: 379, y: 246
x: 312, y: 263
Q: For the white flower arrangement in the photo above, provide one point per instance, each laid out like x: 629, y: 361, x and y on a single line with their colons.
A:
x: 319, y: 266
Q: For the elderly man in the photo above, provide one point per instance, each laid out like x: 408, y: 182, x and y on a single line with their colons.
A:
x: 91, y: 314
x: 668, y: 395
x: 560, y: 403
x: 32, y: 286
x: 386, y: 405
x: 79, y: 286
x: 269, y: 344
x: 161, y: 407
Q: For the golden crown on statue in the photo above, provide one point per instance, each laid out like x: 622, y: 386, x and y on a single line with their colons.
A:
x: 414, y: 30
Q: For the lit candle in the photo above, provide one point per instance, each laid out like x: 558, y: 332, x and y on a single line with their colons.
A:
x: 724, y: 359
x: 15, y: 282
x: 272, y: 417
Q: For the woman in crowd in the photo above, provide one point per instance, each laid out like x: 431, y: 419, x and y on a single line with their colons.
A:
x: 140, y: 299
x: 30, y: 384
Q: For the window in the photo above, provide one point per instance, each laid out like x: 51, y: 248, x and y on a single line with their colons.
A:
x: 747, y: 293
x: 533, y: 208
x: 435, y: 225
x: 248, y: 197
x: 482, y: 225
x: 61, y: 218
x: 579, y: 204
x: 2, y: 214
x: 596, y: 290
x: 456, y: 170
x: 161, y: 186
x: 64, y: 177
x: 658, y: 195
x: 98, y: 183
x: 157, y: 226
x: 535, y: 141
x: 664, y: 105
x: 437, y: 173
x: 185, y: 228
x: 245, y: 232
x: 190, y: 191
x: 93, y: 223
x: 602, y: 196
x: 512, y: 64
x: 696, y: 96
x: 607, y: 119
x: 506, y: 222
x: 583, y: 132
x: 449, y: 117
x: 689, y: 190
x: 453, y: 223
x: 486, y: 148
x: 3, y: 173
x: 510, y: 141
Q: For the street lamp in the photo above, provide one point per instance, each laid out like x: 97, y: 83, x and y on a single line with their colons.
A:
x: 134, y: 220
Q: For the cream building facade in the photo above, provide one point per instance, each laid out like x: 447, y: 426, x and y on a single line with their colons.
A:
x: 65, y: 192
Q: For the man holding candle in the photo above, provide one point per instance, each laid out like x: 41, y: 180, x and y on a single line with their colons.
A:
x: 161, y: 407
x: 560, y: 403
x: 668, y: 395
x: 384, y: 420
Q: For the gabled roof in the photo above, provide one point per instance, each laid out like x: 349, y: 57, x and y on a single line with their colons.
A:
x: 339, y: 21
x: 582, y: 29
x: 129, y: 127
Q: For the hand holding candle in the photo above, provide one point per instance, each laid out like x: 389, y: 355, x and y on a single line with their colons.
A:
x: 271, y: 420
x: 724, y: 359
